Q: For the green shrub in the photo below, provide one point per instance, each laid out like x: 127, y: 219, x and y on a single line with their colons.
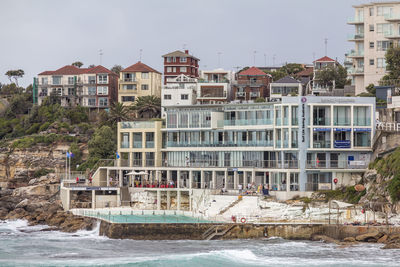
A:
x: 42, y: 172
x: 44, y: 126
x: 33, y: 129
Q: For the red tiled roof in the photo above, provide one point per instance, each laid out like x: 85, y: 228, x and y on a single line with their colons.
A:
x: 253, y: 71
x: 139, y: 67
x: 72, y: 70
x: 99, y: 69
x: 306, y: 72
x: 325, y: 59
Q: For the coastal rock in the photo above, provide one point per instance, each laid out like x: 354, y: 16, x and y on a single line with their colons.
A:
x: 349, y: 239
x: 370, y: 174
x: 383, y: 239
x: 32, y: 181
x: 369, y: 237
x: 392, y: 246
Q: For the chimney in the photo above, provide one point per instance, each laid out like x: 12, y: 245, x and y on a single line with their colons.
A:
x: 187, y: 52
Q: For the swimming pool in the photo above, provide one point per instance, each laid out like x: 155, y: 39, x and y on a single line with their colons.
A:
x: 145, y: 217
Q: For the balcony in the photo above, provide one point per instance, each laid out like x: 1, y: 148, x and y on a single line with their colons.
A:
x: 354, y: 54
x: 240, y: 94
x: 149, y: 144
x: 392, y: 17
x: 335, y: 164
x: 322, y: 144
x: 356, y: 71
x: 392, y: 35
x: 256, y: 83
x: 355, y: 20
x: 254, y: 94
x: 356, y: 37
x: 276, y: 164
x: 248, y: 122
x: 214, y: 81
x: 125, y: 145
x: 127, y: 80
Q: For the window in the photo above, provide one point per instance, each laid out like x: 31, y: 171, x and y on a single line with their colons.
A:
x: 169, y: 59
x: 56, y: 80
x: 383, y: 10
x: 383, y: 27
x: 183, y: 59
x: 129, y: 86
x: 362, y: 139
x: 174, y: 59
x: 371, y: 44
x: 92, y: 102
x: 128, y: 99
x: 381, y: 63
x: 145, y: 87
x: 103, y: 102
x: 92, y: 79
x: 371, y: 11
x: 183, y: 69
x: 44, y: 80
x: 169, y: 69
x: 102, y: 78
x: 102, y: 90
x: 371, y: 62
x: 383, y: 45
x: 145, y: 75
x: 167, y: 97
x: 71, y: 80
x: 173, y: 69
x: 92, y: 90
x: 184, y: 97
x: 371, y: 27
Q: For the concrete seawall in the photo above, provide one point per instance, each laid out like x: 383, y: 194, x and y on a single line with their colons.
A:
x: 195, y: 231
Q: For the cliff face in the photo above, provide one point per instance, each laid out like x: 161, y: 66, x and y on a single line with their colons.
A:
x: 28, y: 191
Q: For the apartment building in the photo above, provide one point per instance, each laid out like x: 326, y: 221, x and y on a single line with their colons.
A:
x: 136, y: 81
x: 319, y: 88
x: 89, y: 87
x: 181, y: 90
x: 251, y: 84
x: 287, y: 86
x: 298, y: 145
x: 178, y: 62
x: 214, y: 86
x: 377, y: 27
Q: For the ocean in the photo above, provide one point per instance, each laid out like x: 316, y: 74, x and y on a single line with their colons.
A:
x: 23, y: 245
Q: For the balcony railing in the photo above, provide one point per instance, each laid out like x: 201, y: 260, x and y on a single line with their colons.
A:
x: 214, y: 81
x: 286, y: 164
x: 392, y: 35
x: 336, y: 164
x: 149, y: 144
x: 355, y: 71
x: 247, y: 122
x: 356, y: 54
x: 125, y: 145
x: 257, y: 83
x: 263, y: 143
x: 355, y: 20
x: 321, y: 144
x: 129, y: 79
x: 356, y: 37
x: 392, y: 17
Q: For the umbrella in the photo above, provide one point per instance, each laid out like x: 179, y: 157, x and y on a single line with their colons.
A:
x: 133, y: 173
x: 142, y: 173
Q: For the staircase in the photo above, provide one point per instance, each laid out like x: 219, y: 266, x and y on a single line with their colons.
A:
x: 217, y: 231
x: 230, y: 206
x: 125, y: 197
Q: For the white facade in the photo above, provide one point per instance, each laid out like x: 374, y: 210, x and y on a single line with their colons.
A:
x: 377, y: 27
x: 214, y: 86
x: 178, y: 91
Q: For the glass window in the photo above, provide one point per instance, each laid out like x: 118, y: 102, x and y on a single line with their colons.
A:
x: 171, y: 120
x: 128, y: 98
x: 145, y: 75
x: 150, y: 140
x: 341, y: 116
x: 362, y: 139
x: 92, y: 90
x: 102, y: 90
x: 167, y: 97
x: 125, y: 140
x: 169, y: 59
x: 149, y: 158
x: 295, y: 115
x: 183, y: 69
x: 371, y: 62
x: 92, y: 102
x: 103, y: 101
x: 44, y: 80
x: 102, y: 78
x: 137, y: 140
x: 371, y: 27
x: 183, y: 59
x: 92, y: 79
x: 71, y: 80
x: 145, y: 87
x: 129, y: 87
x: 169, y: 69
x: 381, y: 63
x: 362, y: 116
x: 371, y: 44
x: 184, y: 97
x: 183, y: 120
x: 371, y: 11
x: 295, y: 138
x: 321, y: 115
x: 56, y: 80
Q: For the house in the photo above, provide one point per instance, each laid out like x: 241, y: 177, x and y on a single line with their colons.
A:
x: 287, y: 86
x: 251, y: 84
x: 178, y: 62
x: 214, y: 86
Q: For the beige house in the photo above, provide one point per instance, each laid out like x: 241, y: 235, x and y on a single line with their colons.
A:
x: 140, y: 143
x: 136, y: 81
x: 377, y: 27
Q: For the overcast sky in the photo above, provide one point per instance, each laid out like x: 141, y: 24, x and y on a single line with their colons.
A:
x: 48, y: 34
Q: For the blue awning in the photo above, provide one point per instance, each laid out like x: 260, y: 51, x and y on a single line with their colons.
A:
x: 322, y: 129
x: 362, y: 129
x: 342, y: 129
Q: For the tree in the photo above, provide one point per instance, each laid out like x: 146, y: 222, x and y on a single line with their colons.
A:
x: 292, y: 68
x: 259, y: 100
x: 148, y: 107
x: 102, y: 145
x: 15, y: 74
x: 92, y: 66
x: 119, y: 112
x: 117, y: 69
x: 276, y: 75
x: 329, y: 74
x: 77, y: 64
x: 392, y: 63
x: 371, y: 89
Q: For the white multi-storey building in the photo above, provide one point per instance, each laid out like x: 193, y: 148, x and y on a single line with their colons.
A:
x: 377, y: 27
x: 214, y: 86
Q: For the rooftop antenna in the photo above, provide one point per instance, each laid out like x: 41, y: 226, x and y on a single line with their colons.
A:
x: 101, y: 55
x: 184, y: 47
x: 273, y: 60
x: 254, y: 57
x: 219, y: 59
x: 140, y: 54
x: 313, y: 56
x: 326, y: 46
x: 265, y: 59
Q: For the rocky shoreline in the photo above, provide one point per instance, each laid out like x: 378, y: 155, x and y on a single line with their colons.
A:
x: 39, y: 203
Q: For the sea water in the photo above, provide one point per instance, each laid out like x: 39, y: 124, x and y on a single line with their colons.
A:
x: 23, y: 245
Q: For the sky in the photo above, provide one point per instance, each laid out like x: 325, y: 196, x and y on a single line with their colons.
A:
x: 48, y: 34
